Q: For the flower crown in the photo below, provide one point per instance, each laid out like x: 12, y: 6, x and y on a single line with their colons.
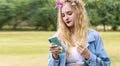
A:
x: 60, y: 2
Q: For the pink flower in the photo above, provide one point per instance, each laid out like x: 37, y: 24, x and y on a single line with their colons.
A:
x: 76, y: 1
x: 59, y: 4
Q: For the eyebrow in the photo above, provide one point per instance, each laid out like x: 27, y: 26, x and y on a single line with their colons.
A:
x: 67, y: 12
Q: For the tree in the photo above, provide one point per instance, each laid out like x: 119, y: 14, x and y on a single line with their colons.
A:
x: 4, y: 13
x: 104, y: 13
x: 44, y: 16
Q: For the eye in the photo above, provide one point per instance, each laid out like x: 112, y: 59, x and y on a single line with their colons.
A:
x: 69, y: 12
x: 63, y: 15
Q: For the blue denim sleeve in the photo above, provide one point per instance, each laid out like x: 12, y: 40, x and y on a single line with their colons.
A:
x: 100, y: 58
x: 52, y: 61
x: 60, y: 62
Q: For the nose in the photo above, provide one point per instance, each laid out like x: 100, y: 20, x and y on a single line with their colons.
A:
x: 66, y: 17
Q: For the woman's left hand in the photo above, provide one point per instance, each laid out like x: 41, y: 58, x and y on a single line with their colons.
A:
x: 83, y: 51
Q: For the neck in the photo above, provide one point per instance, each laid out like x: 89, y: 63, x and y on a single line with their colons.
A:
x: 73, y: 35
x: 72, y: 30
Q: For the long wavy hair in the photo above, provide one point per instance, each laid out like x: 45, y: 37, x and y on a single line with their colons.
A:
x: 81, y: 26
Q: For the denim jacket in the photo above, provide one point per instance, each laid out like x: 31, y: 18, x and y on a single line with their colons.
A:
x: 98, y: 56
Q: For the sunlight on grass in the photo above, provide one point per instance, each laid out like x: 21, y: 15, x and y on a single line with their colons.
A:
x: 30, y: 48
x: 112, y: 43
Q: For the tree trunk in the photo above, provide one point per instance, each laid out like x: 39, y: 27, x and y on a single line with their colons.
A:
x: 1, y: 27
x: 104, y: 28
x: 15, y: 26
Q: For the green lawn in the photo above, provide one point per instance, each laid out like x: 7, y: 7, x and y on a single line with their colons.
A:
x: 30, y: 48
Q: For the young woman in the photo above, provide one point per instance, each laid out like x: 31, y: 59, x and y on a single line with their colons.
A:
x: 83, y: 46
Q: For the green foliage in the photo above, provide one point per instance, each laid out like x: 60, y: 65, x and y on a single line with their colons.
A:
x: 104, y: 13
x: 29, y: 12
x: 41, y: 14
x: 4, y: 13
x: 43, y: 17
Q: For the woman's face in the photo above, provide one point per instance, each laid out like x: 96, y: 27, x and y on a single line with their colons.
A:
x: 68, y: 15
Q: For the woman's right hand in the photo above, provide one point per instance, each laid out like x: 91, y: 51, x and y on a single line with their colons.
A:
x: 54, y: 50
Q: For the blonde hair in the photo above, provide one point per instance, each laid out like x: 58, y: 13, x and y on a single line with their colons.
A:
x: 81, y: 27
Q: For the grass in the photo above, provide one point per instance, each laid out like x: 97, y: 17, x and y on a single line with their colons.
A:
x: 24, y: 48
x: 30, y: 48
x: 112, y: 43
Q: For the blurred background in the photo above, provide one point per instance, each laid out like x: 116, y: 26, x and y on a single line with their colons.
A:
x: 25, y: 26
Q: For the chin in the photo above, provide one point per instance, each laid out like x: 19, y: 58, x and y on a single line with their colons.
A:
x: 69, y: 26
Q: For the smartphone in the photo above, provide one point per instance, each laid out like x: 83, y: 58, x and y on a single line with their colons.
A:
x: 56, y: 42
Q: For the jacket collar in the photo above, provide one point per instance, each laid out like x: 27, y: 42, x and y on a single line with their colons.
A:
x: 90, y: 37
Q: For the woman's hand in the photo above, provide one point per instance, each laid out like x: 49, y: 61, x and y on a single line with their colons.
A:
x: 54, y: 50
x: 83, y: 51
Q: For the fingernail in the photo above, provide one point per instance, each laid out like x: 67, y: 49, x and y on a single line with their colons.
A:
x: 56, y: 45
x: 60, y: 48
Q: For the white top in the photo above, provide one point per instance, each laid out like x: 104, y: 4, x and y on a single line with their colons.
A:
x: 75, y: 57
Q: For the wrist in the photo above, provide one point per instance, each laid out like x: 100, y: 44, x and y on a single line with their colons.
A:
x: 87, y: 56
